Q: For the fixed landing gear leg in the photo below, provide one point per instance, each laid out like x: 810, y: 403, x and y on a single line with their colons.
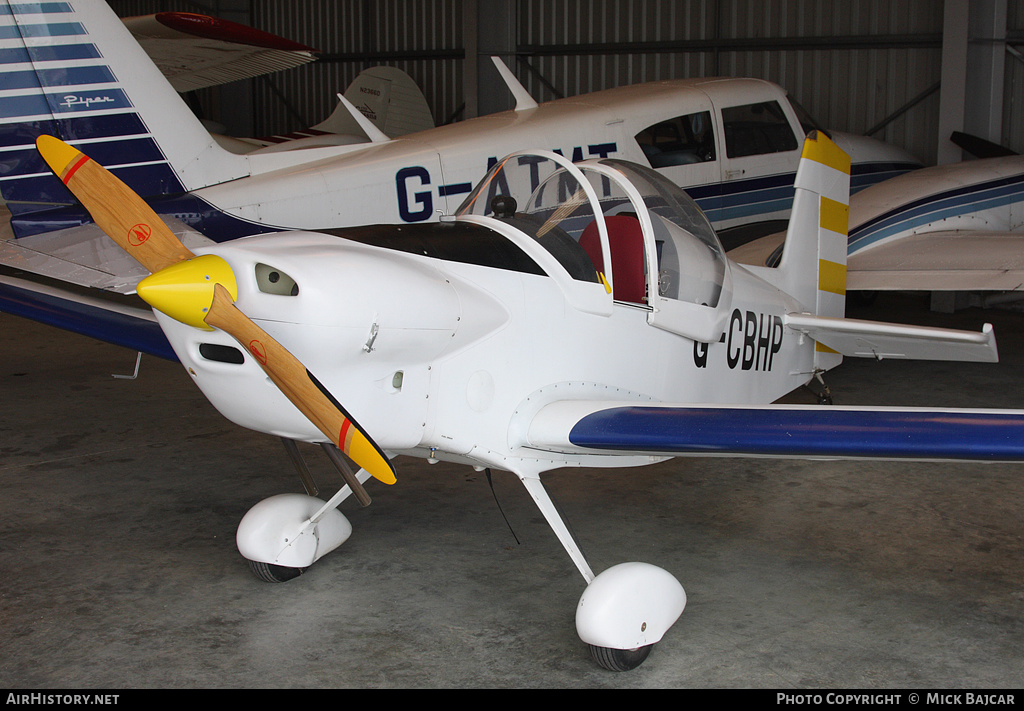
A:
x: 300, y: 466
x: 626, y: 609
x: 824, y: 394
x: 554, y: 518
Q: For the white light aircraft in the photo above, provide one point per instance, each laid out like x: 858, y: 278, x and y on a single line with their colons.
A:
x: 72, y: 69
x: 506, y: 336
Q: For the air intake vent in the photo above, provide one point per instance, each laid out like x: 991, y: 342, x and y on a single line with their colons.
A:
x: 221, y: 354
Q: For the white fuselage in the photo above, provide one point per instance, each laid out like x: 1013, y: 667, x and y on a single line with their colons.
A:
x: 423, y: 175
x: 451, y: 360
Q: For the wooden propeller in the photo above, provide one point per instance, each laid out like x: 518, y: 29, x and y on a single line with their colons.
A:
x: 116, y: 209
x: 187, y: 293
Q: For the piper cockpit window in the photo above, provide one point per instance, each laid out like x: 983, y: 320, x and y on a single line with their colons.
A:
x: 679, y: 141
x: 756, y: 129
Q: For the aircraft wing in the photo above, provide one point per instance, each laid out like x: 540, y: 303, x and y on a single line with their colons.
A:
x: 931, y: 261
x: 77, y: 279
x: 941, y: 261
x: 115, y: 321
x: 797, y: 431
x: 196, y: 51
x: 757, y: 252
x: 85, y: 256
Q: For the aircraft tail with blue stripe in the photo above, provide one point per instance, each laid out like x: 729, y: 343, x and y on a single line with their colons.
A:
x: 72, y: 70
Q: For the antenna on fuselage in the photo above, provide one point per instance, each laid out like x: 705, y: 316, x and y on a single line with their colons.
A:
x: 522, y: 96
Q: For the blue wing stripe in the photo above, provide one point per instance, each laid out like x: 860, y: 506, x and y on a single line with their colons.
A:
x: 56, y: 53
x: 28, y: 8
x: 823, y: 432
x: 110, y: 326
x: 55, y: 29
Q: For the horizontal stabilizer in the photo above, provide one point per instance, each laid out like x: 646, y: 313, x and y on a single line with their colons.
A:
x: 873, y: 339
x: 798, y: 431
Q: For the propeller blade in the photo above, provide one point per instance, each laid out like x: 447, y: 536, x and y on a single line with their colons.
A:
x: 115, y: 207
x: 300, y: 386
x: 200, y: 291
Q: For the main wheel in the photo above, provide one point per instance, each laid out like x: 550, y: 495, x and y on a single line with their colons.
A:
x: 270, y: 573
x: 620, y: 659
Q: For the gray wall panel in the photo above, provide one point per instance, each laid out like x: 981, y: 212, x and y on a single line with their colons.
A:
x: 394, y: 32
x: 1013, y: 97
x: 851, y: 63
x: 850, y: 89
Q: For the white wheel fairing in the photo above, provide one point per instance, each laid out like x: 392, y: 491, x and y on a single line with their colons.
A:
x: 277, y: 530
x: 629, y: 605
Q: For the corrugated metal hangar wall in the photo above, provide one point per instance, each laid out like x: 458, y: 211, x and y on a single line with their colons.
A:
x: 905, y: 71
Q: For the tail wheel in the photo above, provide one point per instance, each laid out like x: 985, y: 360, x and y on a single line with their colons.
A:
x: 620, y: 659
x: 270, y: 573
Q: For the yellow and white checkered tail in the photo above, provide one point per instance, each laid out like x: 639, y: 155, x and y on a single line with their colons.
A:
x: 814, y: 260
x: 813, y: 265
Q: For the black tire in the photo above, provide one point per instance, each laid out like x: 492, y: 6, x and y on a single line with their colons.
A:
x: 619, y: 660
x: 270, y: 573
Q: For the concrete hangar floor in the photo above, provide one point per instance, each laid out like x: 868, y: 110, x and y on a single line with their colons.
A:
x: 118, y: 567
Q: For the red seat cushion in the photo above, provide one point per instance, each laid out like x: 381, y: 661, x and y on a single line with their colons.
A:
x: 627, y: 244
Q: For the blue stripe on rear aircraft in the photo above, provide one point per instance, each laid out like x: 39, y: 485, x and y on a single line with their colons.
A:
x: 51, y: 53
x: 110, y: 326
x: 27, y: 161
x: 189, y: 209
x: 65, y: 76
x: 146, y: 180
x: 23, y: 134
x: 768, y: 195
x: 53, y: 29
x: 821, y: 432
x: 34, y: 8
x: 951, y: 203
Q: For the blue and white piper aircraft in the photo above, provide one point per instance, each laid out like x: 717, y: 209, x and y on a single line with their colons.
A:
x: 72, y: 69
x: 505, y: 336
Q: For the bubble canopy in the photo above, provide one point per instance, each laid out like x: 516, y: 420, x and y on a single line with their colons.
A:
x: 616, y: 223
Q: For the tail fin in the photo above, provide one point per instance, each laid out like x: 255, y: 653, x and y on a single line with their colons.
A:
x: 389, y: 98
x: 813, y: 264
x: 71, y: 69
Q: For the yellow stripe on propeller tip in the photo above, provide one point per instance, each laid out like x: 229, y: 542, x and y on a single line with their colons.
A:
x: 116, y: 209
x: 358, y: 447
x: 58, y: 155
x: 300, y: 387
